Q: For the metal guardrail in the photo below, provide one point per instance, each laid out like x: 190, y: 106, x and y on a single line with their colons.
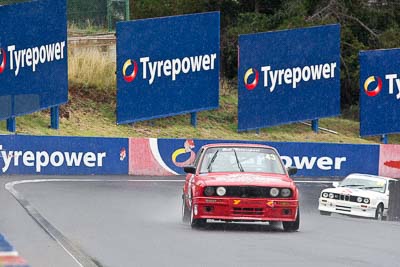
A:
x: 394, y: 201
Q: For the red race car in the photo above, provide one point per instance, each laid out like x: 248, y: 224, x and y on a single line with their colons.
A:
x: 240, y: 182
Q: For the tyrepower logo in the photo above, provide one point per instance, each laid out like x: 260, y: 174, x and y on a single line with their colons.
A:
x: 172, y: 68
x: 42, y: 159
x: 31, y: 57
x: 3, y: 61
x: 376, y: 83
x: 254, y: 83
x: 129, y: 77
x: 377, y: 89
x: 272, y: 78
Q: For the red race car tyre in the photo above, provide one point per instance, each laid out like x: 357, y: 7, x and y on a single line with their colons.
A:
x: 185, y: 211
x: 196, y: 223
x: 292, y: 226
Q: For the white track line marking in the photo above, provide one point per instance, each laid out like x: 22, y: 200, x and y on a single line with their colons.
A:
x: 128, y: 180
x: 15, y: 193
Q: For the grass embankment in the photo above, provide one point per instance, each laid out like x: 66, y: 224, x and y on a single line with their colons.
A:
x: 90, y: 111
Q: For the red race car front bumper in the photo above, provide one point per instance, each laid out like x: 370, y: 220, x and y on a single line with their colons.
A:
x: 245, y: 209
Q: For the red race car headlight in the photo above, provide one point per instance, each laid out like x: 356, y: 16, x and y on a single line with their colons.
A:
x: 286, y: 192
x: 221, y: 191
x: 274, y: 192
x: 209, y: 191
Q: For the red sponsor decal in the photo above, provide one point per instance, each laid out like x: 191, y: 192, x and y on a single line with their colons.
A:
x: 393, y: 164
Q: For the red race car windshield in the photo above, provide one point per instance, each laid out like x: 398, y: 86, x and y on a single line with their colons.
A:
x: 241, y: 159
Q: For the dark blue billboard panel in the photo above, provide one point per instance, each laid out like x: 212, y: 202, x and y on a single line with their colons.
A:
x: 288, y: 76
x: 33, y: 57
x: 379, y: 92
x: 63, y: 155
x: 311, y: 159
x: 167, y: 66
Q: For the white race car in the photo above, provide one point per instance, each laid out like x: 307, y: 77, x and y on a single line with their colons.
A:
x: 357, y: 195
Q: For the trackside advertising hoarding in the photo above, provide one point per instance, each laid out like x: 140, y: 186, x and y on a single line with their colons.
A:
x: 311, y: 159
x: 33, y: 57
x: 63, y: 155
x: 379, y: 92
x: 288, y: 76
x: 167, y: 66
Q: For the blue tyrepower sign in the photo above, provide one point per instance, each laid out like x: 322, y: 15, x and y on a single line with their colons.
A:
x: 33, y: 57
x: 379, y: 92
x: 167, y: 66
x: 288, y: 76
x: 63, y: 155
x: 311, y: 159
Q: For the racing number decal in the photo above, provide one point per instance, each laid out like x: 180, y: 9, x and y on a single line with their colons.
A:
x: 270, y: 156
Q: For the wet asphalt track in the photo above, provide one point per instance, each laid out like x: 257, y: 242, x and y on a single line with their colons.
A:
x: 135, y: 223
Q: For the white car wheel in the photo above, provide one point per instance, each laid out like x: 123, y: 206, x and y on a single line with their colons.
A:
x: 379, y: 213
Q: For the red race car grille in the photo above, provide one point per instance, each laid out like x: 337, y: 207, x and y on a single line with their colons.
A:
x: 248, y: 211
x: 248, y: 192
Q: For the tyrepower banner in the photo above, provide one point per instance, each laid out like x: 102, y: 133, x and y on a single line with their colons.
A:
x: 33, y: 57
x: 63, y: 155
x: 167, y: 66
x: 168, y: 156
x: 379, y: 92
x: 288, y: 76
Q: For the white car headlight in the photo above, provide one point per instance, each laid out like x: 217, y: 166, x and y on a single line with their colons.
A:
x: 221, y: 191
x: 331, y: 195
x: 325, y: 194
x: 359, y: 199
x: 274, y: 192
x: 366, y: 200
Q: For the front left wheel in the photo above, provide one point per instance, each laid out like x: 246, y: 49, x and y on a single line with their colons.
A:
x: 185, y: 211
x: 379, y: 212
x: 292, y: 226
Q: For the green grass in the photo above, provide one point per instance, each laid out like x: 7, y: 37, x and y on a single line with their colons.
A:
x: 90, y: 111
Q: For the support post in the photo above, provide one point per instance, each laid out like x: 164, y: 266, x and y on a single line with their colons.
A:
x: 384, y: 139
x: 314, y: 125
x: 54, y: 113
x: 109, y: 22
x: 11, y: 124
x: 193, y: 119
x: 127, y: 11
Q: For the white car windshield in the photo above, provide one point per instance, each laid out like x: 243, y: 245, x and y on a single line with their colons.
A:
x: 241, y: 159
x: 366, y: 183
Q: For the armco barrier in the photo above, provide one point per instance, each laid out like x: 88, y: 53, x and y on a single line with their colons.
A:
x: 394, y: 201
x: 63, y: 155
x: 57, y: 155
x: 167, y: 156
